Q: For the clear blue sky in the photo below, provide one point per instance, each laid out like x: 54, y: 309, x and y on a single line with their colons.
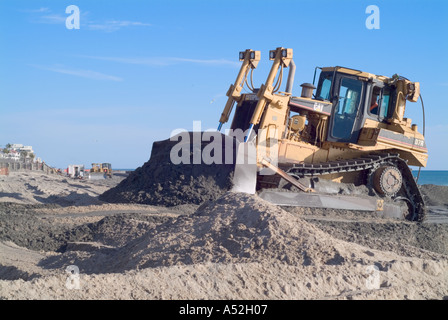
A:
x: 136, y: 70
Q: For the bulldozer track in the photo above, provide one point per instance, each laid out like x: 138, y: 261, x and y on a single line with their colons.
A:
x: 369, y: 163
x: 359, y: 164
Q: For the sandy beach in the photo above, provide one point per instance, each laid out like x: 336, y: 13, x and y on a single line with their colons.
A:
x: 58, y: 240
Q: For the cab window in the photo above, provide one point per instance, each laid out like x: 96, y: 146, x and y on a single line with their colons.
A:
x: 385, y: 102
x: 349, y: 96
x: 375, y: 101
x: 324, y: 86
x: 379, y: 102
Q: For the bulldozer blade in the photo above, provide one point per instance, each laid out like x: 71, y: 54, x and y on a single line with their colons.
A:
x: 344, y: 202
x: 97, y: 176
x: 245, y: 174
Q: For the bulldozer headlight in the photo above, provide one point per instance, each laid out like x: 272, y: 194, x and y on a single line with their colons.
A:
x: 272, y: 54
x: 241, y: 55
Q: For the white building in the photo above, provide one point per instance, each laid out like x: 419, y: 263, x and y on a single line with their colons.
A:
x: 20, y: 147
x: 14, y: 152
x: 11, y: 155
x: 28, y: 149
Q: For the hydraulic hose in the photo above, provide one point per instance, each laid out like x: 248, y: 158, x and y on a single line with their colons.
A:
x: 279, y: 81
x: 423, y: 111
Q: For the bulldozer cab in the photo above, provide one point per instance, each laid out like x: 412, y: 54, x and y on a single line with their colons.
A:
x: 354, y: 98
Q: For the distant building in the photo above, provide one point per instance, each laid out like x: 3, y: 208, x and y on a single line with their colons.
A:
x: 11, y: 155
x: 28, y: 149
x: 15, y: 152
x: 21, y: 147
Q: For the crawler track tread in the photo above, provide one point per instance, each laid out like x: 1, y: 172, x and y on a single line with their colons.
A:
x: 369, y: 163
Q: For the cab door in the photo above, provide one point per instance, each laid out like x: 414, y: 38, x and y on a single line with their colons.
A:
x: 346, y: 118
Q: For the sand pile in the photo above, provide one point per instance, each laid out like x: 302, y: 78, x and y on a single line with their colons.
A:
x: 236, y: 228
x: 160, y: 182
x: 237, y: 247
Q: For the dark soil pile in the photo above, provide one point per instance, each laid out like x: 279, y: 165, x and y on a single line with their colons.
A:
x: 19, y: 224
x: 160, y: 182
x: 22, y: 225
x: 115, y: 230
x: 435, y: 195
x: 399, y: 237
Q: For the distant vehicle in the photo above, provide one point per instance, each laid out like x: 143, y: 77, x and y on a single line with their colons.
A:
x: 100, y: 171
x: 75, y: 171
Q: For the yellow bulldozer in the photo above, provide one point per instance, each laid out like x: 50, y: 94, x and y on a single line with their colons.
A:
x: 349, y: 127
x: 100, y: 171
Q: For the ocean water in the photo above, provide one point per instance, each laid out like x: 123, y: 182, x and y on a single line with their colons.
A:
x: 437, y: 177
